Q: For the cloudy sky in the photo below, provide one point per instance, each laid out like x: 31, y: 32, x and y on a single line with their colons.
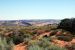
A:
x: 36, y: 9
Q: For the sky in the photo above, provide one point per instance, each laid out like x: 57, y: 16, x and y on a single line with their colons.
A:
x: 36, y: 9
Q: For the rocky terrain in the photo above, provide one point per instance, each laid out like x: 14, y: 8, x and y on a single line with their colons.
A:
x: 29, y: 35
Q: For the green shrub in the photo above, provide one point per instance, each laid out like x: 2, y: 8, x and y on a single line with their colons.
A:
x: 4, y: 45
x: 54, y: 47
x: 34, y: 47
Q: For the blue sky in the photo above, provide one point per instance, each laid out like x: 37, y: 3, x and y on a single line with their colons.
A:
x: 36, y: 9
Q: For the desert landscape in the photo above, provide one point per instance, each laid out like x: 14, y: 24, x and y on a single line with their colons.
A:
x: 37, y: 34
x: 37, y: 24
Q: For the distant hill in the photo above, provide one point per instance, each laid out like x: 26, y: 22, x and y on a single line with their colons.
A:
x: 28, y: 22
x: 14, y: 23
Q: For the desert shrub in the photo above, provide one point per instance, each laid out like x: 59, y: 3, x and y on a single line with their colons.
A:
x: 39, y: 44
x: 4, y: 45
x: 64, y: 38
x: 17, y: 40
x: 34, y: 47
x: 68, y: 25
x: 54, y: 47
x: 44, y: 44
x: 20, y: 37
x: 73, y: 46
